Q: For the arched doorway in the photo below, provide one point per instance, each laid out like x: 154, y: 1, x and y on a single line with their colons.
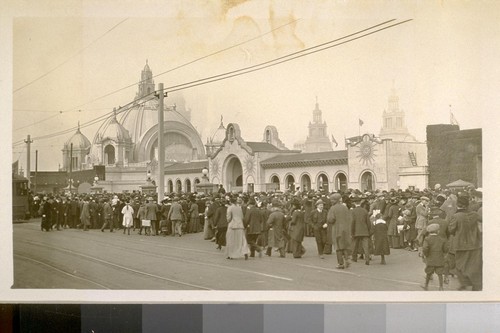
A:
x: 187, y: 185
x: 170, y: 186
x: 109, y: 155
x: 367, y: 181
x: 234, y: 175
x: 178, y: 186
x: 341, y: 182
x: 305, y: 183
x: 322, y: 183
x: 290, y: 183
x: 276, y: 183
x: 196, y: 182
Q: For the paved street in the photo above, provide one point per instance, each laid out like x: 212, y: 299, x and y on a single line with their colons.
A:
x: 74, y: 259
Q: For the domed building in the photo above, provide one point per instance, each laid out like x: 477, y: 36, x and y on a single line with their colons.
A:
x: 76, y: 149
x: 215, y: 140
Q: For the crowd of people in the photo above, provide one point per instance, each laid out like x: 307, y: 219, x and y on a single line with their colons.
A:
x: 442, y: 226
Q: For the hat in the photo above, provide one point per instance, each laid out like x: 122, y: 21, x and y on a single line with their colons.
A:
x: 424, y: 198
x: 335, y: 197
x: 319, y: 202
x: 463, y: 201
x: 380, y: 194
x: 431, y: 228
x: 394, y: 200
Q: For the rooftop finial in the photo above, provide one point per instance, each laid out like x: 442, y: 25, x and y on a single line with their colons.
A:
x: 78, y: 125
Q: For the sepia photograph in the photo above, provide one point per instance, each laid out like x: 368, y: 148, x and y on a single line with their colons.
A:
x: 280, y: 149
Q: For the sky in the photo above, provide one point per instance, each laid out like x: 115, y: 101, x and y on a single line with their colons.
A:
x: 440, y: 61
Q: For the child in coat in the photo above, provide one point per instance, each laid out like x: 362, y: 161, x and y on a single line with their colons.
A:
x: 434, y: 250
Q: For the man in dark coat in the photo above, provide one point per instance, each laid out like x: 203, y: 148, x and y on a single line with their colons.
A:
x: 45, y: 211
x: 319, y: 226
x: 297, y: 230
x: 277, y: 229
x: 360, y: 230
x: 253, y: 223
x: 107, y: 213
x: 340, y: 217
x: 221, y: 223
x: 467, y: 244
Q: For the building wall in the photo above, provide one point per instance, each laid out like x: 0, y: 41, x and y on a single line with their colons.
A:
x: 454, y: 154
x: 313, y: 171
x: 398, y: 157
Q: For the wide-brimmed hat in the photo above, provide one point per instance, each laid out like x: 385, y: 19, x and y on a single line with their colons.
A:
x: 432, y: 228
x: 424, y: 198
x: 319, y: 202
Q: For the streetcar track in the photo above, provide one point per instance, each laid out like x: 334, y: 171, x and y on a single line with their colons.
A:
x: 171, y: 258
x: 142, y: 242
x: 118, y: 266
x: 60, y: 270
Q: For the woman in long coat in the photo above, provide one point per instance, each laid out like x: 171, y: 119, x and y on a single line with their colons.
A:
x: 85, y: 214
x: 392, y: 228
x: 297, y: 230
x: 236, y: 241
x: 381, y: 242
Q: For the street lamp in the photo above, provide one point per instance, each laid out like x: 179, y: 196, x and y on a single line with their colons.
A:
x: 204, y: 171
x: 95, y: 180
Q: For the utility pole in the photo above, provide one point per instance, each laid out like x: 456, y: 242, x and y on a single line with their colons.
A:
x: 161, y: 146
x: 28, y: 167
x: 70, y: 166
x: 36, y: 168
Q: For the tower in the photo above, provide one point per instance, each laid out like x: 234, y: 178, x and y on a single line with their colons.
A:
x: 147, y: 84
x: 317, y: 140
x: 393, y: 121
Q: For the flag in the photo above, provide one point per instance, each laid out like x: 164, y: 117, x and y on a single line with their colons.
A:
x: 361, y: 122
x: 334, y: 141
x: 453, y: 120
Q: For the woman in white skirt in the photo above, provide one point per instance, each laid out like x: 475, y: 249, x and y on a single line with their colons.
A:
x: 128, y: 216
x: 236, y: 242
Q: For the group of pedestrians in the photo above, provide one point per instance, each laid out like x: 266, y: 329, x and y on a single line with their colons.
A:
x: 443, y: 227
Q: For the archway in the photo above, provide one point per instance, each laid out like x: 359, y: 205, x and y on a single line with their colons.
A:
x: 187, y: 185
x: 367, y: 181
x: 234, y: 175
x: 305, y: 183
x: 290, y: 182
x: 170, y: 186
x: 341, y: 182
x: 322, y: 183
x: 109, y: 153
x: 276, y: 182
x: 178, y: 186
x: 196, y: 182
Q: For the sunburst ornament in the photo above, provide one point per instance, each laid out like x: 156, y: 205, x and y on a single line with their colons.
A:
x: 249, y: 164
x: 214, y: 167
x: 366, y: 151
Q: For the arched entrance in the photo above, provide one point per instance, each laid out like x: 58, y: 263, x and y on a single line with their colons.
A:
x: 196, y: 182
x: 188, y: 185
x: 276, y: 182
x: 290, y: 183
x: 305, y: 183
x: 178, y: 186
x: 170, y: 186
x: 322, y: 183
x: 341, y: 182
x: 234, y: 175
x: 109, y: 155
x: 367, y: 181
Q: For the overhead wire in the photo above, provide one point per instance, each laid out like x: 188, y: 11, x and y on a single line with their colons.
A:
x: 71, y: 57
x: 162, y: 73
x: 250, y: 69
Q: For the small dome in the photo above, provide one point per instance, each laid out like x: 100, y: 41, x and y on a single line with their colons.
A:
x: 115, y: 131
x: 78, y: 140
x: 219, y: 135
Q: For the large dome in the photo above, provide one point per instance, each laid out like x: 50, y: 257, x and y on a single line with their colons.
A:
x: 219, y: 135
x: 78, y: 140
x: 115, y: 131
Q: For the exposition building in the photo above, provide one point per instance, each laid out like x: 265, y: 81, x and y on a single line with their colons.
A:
x: 126, y: 148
